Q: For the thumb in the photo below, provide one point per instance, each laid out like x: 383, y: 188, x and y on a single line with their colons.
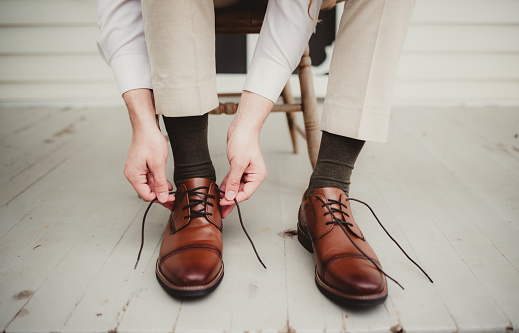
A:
x: 160, y: 184
x: 233, y: 180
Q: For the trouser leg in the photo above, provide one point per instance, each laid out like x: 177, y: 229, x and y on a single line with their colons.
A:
x: 181, y: 47
x: 366, y: 53
x: 358, y: 101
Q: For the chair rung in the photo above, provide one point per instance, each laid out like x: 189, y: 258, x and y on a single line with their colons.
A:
x: 229, y: 95
x: 231, y: 108
x: 287, y: 108
x: 237, y: 31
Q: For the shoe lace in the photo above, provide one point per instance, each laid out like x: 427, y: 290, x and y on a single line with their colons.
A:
x: 194, y: 213
x: 193, y: 202
x: 346, y: 226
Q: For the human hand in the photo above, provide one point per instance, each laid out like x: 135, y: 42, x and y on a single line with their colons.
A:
x: 247, y: 168
x: 145, y: 166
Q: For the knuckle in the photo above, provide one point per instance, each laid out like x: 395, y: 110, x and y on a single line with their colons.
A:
x: 234, y: 182
x: 239, y: 163
x: 156, y: 163
x: 160, y: 183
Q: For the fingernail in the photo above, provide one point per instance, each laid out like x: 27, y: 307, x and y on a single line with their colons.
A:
x: 229, y: 195
x: 163, y: 197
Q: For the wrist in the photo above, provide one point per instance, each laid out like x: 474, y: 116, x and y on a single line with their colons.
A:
x: 141, y: 109
x: 144, y: 125
x: 252, y: 112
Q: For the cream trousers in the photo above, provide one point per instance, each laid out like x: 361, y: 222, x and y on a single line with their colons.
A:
x: 180, y: 39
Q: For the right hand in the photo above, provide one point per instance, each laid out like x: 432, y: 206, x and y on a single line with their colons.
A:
x: 145, y: 166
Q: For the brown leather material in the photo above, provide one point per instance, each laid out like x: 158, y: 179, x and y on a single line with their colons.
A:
x: 341, y: 269
x: 190, y: 257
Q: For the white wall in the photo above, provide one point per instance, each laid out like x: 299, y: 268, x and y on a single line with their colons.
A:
x: 461, y: 50
x: 457, y: 51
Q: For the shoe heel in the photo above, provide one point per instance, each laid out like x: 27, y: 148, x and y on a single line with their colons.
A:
x: 304, y: 239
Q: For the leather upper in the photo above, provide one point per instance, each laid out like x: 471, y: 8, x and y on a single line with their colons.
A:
x: 339, y: 263
x: 191, y: 249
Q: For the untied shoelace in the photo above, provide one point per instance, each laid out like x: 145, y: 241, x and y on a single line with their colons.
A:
x: 342, y: 223
x: 197, y: 213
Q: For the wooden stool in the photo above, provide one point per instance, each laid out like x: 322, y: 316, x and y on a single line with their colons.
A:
x: 247, y: 18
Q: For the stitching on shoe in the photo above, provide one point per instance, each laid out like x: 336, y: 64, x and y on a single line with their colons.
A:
x: 347, y: 257
x: 187, y: 288
x: 343, y: 257
x: 190, y: 248
x: 321, y: 282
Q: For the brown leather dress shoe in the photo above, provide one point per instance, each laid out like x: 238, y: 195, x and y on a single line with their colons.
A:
x: 190, y: 258
x: 342, y: 272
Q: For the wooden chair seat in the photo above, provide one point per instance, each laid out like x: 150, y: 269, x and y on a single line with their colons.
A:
x: 246, y: 17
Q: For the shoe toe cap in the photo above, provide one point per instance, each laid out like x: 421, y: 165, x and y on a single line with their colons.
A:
x: 354, y: 277
x: 191, y: 268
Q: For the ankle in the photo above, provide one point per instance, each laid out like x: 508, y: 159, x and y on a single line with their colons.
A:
x: 335, y: 162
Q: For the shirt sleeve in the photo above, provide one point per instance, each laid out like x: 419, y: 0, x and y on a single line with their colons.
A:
x: 122, y: 44
x: 284, y: 35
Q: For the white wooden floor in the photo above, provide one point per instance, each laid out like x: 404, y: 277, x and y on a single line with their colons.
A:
x: 446, y: 186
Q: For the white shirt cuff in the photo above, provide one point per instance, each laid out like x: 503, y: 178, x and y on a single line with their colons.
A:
x: 267, y: 78
x: 132, y: 71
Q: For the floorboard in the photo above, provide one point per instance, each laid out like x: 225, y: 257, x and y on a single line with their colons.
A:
x: 445, y: 186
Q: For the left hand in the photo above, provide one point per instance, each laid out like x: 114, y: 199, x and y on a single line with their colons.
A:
x: 247, y: 168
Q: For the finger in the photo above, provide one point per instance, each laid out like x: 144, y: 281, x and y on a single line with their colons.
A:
x: 140, y: 184
x: 151, y: 182
x: 171, y: 196
x: 234, y: 176
x: 226, y: 210
x: 160, y: 183
x: 143, y: 190
x: 249, y: 188
x: 222, y: 188
x: 169, y: 204
x: 225, y: 202
x: 223, y: 199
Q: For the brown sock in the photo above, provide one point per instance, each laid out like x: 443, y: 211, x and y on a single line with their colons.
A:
x: 335, y: 162
x: 188, y: 139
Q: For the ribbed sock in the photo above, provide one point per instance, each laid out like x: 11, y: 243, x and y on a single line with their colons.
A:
x: 188, y: 139
x: 335, y: 162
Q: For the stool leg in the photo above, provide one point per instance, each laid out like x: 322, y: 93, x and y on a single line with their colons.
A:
x: 289, y: 99
x: 309, y: 103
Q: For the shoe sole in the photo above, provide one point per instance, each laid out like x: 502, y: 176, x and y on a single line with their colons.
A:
x: 188, y: 291
x: 336, y: 295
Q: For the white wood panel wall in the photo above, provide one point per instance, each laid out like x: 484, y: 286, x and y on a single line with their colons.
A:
x: 457, y: 51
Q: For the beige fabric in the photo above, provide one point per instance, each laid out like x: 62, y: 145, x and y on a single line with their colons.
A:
x: 367, y: 48
x: 180, y: 39
x: 181, y: 45
x: 365, y: 57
